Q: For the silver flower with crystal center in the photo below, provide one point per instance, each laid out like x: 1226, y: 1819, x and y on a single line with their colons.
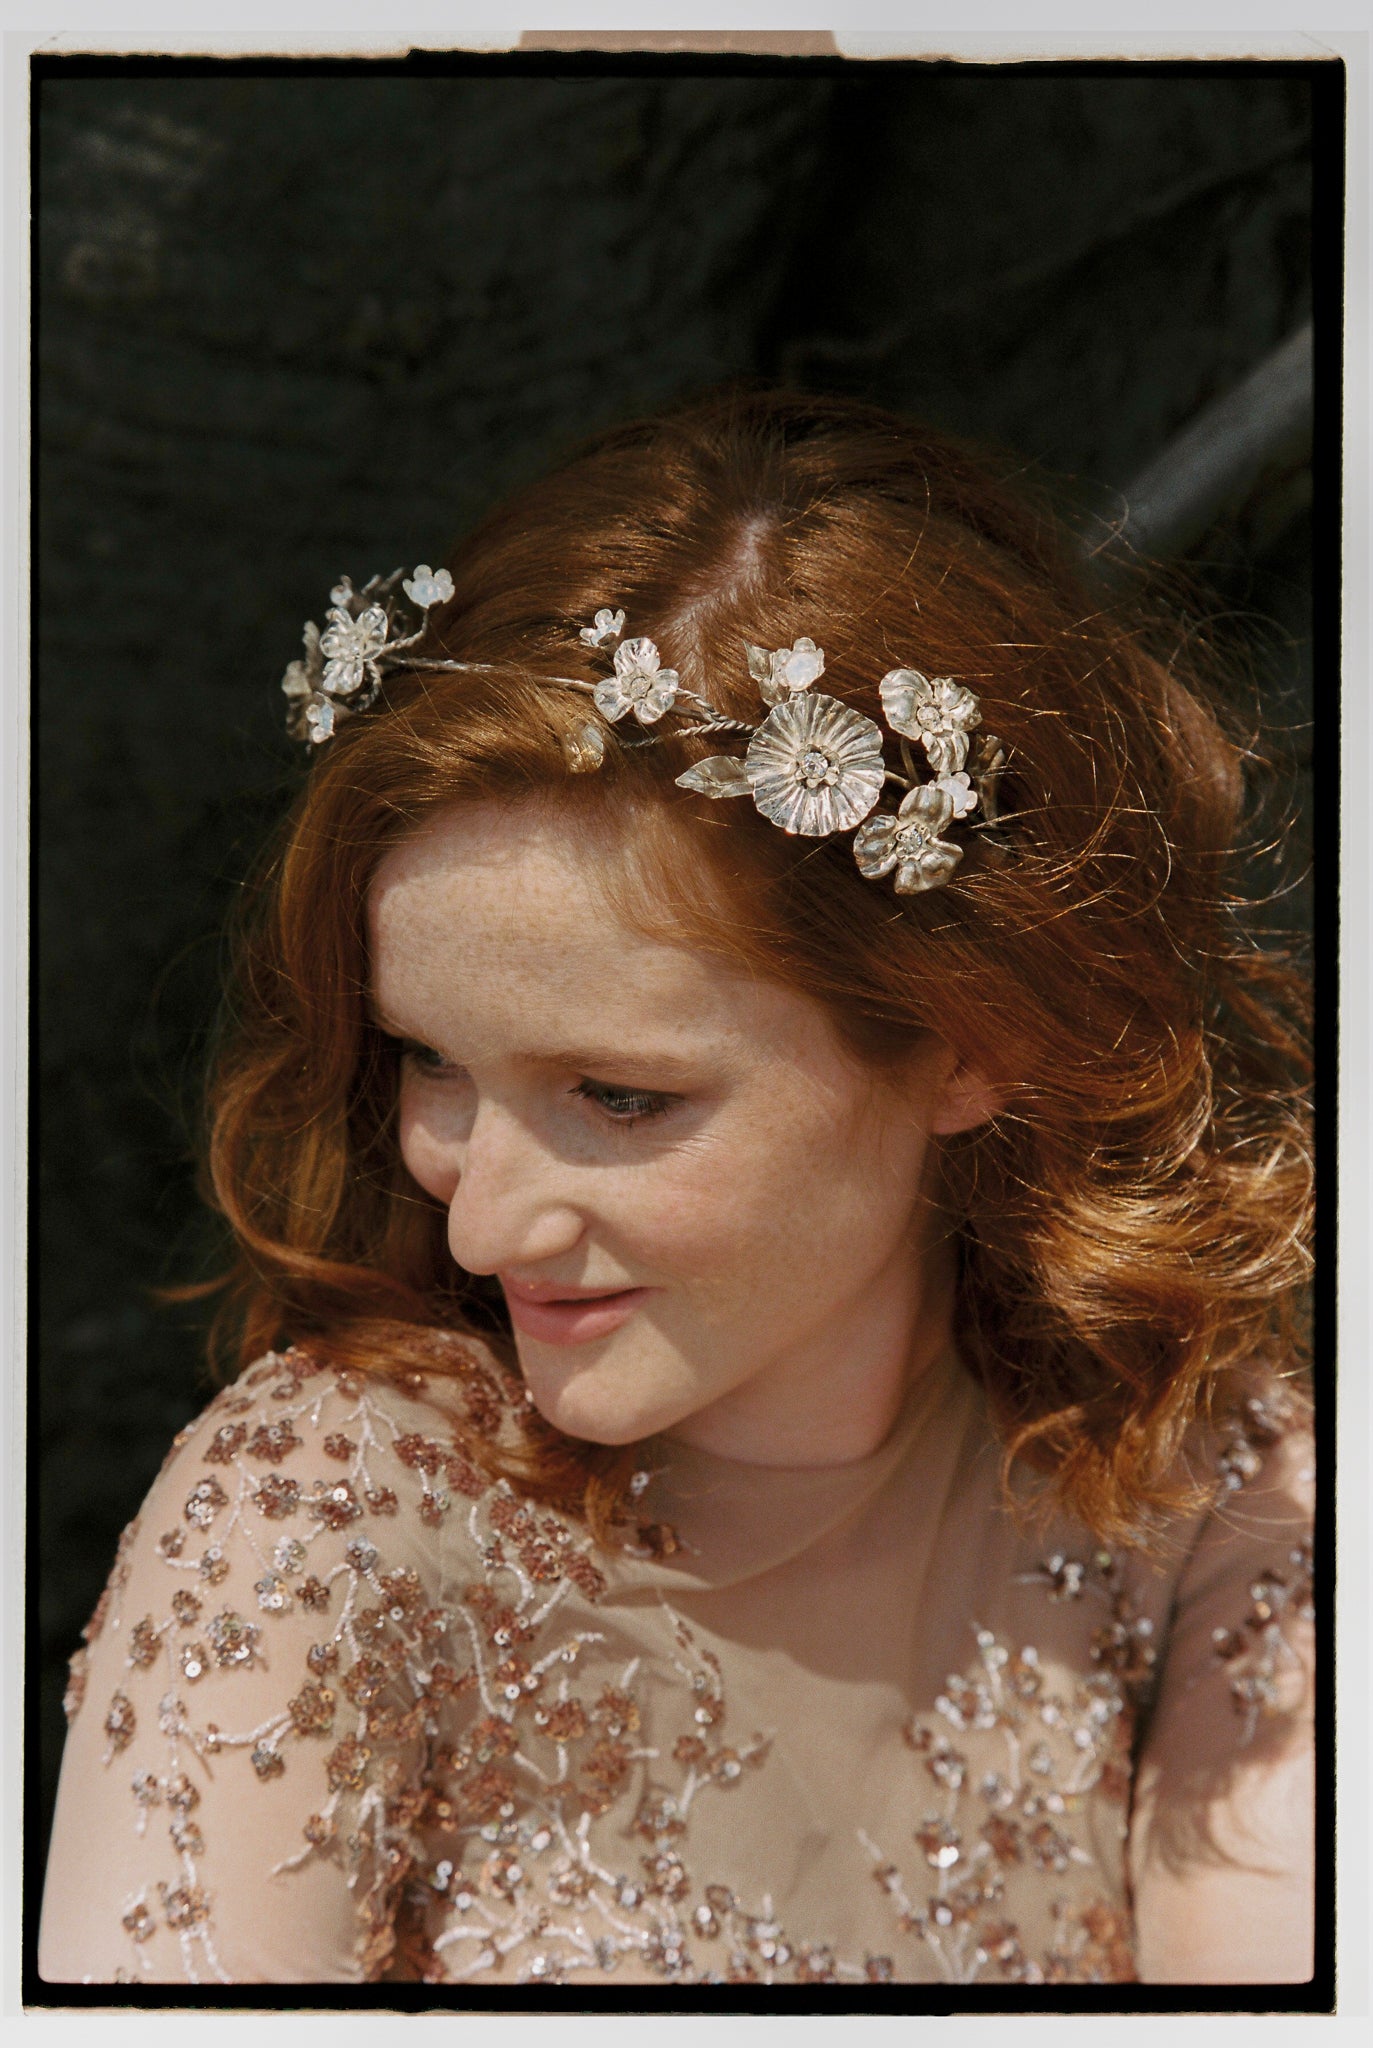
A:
x: 815, y: 765
x: 350, y: 646
x: 910, y: 842
x: 938, y: 712
x: 640, y: 684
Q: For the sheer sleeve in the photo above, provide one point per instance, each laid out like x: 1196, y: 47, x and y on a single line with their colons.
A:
x: 1222, y: 1848
x: 246, y: 1757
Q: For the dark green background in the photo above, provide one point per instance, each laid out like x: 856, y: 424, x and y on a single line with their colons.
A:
x: 296, y: 323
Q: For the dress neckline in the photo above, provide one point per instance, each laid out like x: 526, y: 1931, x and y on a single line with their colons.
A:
x: 734, y: 1521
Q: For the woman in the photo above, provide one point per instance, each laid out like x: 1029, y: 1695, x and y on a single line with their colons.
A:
x: 769, y: 1186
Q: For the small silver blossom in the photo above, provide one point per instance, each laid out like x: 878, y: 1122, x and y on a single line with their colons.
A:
x: 319, y: 718
x: 301, y: 684
x: 428, y: 587
x: 784, y: 671
x: 815, y: 765
x: 303, y: 677
x: 960, y: 792
x: 937, y: 711
x: 640, y: 684
x: 350, y: 647
x: 910, y: 842
x: 609, y: 626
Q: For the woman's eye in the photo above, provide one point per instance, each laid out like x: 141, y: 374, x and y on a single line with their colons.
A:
x: 625, y: 1105
x: 426, y: 1061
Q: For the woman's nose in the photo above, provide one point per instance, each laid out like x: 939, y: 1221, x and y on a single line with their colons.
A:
x: 511, y: 1205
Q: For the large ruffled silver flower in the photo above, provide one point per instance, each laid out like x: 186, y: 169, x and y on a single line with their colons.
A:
x: 909, y: 841
x: 937, y: 711
x: 350, y: 647
x: 640, y: 684
x: 815, y: 765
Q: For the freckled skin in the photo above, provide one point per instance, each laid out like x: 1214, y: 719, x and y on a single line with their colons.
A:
x: 776, y: 1211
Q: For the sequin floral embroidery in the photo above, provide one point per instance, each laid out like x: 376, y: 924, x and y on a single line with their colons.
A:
x: 1009, y: 1757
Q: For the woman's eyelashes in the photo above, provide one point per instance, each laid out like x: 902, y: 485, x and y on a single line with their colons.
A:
x: 426, y: 1061
x: 620, y: 1105
x: 625, y: 1105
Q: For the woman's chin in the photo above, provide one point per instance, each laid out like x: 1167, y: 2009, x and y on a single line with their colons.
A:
x: 590, y: 1422
x: 593, y: 1402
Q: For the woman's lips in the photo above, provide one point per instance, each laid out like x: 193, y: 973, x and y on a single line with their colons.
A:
x: 571, y: 1319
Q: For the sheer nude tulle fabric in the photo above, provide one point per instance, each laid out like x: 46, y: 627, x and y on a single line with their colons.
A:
x: 349, y: 1711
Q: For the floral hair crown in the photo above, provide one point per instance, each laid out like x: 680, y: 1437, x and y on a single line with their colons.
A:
x: 813, y: 765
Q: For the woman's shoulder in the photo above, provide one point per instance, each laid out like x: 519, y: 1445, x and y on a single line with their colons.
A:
x: 1217, y: 1594
x: 1227, y: 1581
x: 300, y: 1406
x: 303, y: 1474
x: 300, y: 1448
x: 1242, y: 1592
x: 1245, y: 1479
x: 1251, y: 1468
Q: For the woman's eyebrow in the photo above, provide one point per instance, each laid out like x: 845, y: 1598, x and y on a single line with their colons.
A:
x: 664, y: 1065
x: 610, y: 1058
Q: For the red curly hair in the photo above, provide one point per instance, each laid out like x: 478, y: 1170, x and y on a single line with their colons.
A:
x: 1132, y: 1224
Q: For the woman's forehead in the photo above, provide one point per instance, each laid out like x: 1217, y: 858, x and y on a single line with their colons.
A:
x: 509, y: 882
x: 490, y: 913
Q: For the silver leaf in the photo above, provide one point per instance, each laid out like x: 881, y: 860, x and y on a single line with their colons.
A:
x: 718, y: 775
x: 759, y: 662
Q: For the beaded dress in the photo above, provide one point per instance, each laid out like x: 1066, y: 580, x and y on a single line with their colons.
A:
x: 350, y: 1710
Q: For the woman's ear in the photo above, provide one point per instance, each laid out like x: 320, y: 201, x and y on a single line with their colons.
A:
x: 963, y: 1098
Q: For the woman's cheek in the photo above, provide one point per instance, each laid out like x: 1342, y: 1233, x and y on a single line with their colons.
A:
x: 687, y: 1229
x: 426, y: 1159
